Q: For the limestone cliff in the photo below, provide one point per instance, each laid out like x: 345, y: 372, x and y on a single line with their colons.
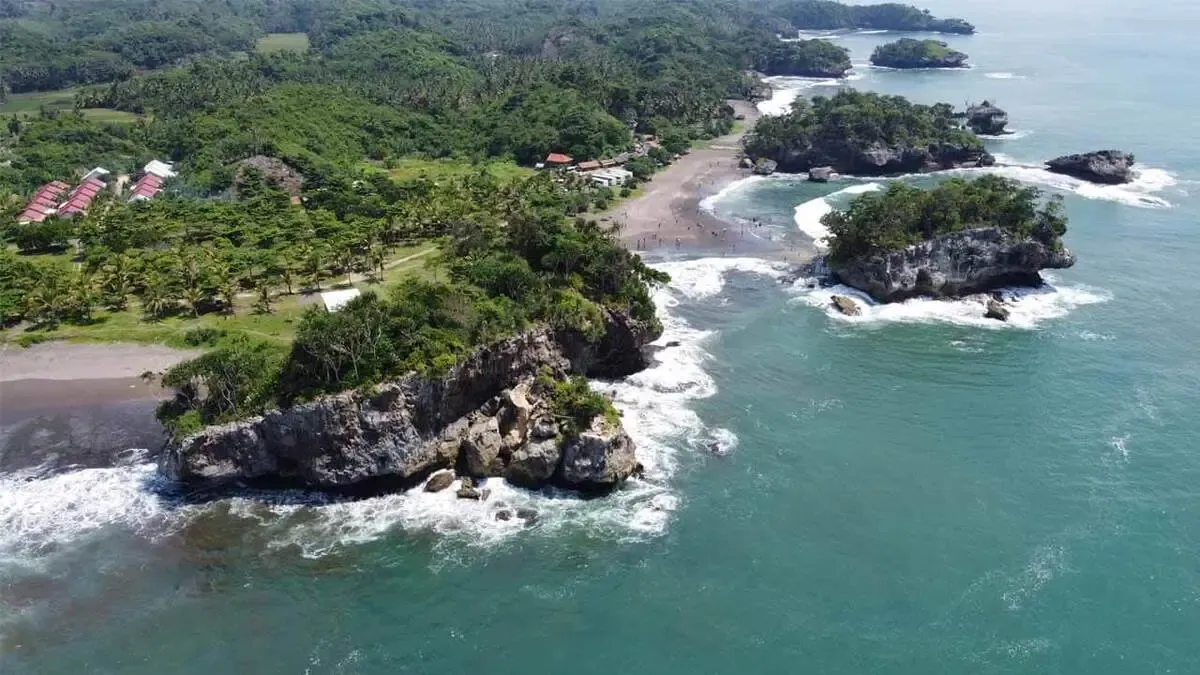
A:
x: 485, y: 418
x: 953, y: 265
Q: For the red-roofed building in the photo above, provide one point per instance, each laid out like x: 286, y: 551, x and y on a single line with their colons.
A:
x: 43, y: 202
x: 589, y: 165
x: 147, y: 187
x: 558, y: 159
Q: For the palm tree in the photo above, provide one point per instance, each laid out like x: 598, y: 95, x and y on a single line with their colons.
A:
x: 263, y: 304
x: 158, y: 298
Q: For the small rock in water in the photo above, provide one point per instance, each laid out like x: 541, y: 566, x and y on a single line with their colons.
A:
x: 439, y: 481
x: 672, y: 343
x: 530, y: 516
x: 471, y: 492
x: 996, y: 310
x: 820, y: 174
x: 845, y: 305
x: 504, y: 515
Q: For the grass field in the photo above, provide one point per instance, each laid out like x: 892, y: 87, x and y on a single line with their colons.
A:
x: 436, y: 169
x: 59, y: 99
x: 408, y: 262
x: 282, y: 42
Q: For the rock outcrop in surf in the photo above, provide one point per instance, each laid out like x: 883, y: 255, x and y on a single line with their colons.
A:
x: 907, y: 53
x: 490, y: 416
x: 1108, y: 167
x: 986, y: 119
x: 804, y: 58
x: 880, y: 142
x: 953, y: 265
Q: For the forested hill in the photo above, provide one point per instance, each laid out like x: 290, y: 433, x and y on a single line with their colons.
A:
x: 51, y: 45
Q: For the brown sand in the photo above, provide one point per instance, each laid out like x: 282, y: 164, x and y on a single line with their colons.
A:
x: 666, y: 217
x: 68, y: 361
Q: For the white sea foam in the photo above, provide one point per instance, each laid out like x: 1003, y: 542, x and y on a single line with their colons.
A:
x: 1028, y: 307
x: 710, y: 202
x: 1012, y: 135
x: 785, y: 89
x: 42, y: 515
x: 808, y: 214
x: 1142, y: 192
x: 1004, y: 76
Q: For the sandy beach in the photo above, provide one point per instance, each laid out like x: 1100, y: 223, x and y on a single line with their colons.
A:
x: 666, y: 217
x: 70, y: 361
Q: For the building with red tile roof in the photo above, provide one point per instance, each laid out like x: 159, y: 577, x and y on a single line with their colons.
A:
x: 147, y: 187
x: 43, y: 202
x: 558, y: 159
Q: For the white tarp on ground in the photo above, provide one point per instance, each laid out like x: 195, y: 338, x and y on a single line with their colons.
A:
x: 335, y: 300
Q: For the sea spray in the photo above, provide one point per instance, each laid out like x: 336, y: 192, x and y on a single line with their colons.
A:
x: 808, y: 214
x: 42, y: 515
x: 1028, y: 307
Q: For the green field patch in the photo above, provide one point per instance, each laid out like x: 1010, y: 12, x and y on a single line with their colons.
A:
x: 282, y: 42
x: 411, y: 168
x: 60, y: 100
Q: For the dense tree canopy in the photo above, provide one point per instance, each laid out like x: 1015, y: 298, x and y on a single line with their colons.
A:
x: 910, y: 53
x: 903, y: 215
x: 805, y: 58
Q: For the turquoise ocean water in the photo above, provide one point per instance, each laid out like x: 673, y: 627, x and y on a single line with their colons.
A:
x: 910, y: 493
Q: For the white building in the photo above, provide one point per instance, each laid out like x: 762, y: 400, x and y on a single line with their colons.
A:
x: 335, y: 300
x: 611, y: 177
x: 163, y: 170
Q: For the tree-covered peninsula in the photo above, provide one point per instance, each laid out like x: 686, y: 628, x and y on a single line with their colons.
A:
x: 907, y: 53
x: 865, y: 133
x: 958, y: 238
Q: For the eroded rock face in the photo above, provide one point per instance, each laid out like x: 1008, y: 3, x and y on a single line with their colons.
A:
x: 987, y: 119
x: 953, y: 265
x: 878, y: 159
x: 1108, y: 167
x: 845, y: 305
x: 479, y: 417
x: 820, y: 174
x: 601, y: 457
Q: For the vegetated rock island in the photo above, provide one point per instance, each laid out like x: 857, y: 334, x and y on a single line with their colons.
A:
x: 907, y: 53
x: 1108, y: 167
x: 804, y: 58
x: 889, y: 135
x: 960, y: 238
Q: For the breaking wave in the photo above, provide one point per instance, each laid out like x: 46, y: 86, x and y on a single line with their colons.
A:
x: 785, y: 89
x: 1028, y: 307
x: 1004, y: 76
x: 1142, y: 192
x: 43, y: 515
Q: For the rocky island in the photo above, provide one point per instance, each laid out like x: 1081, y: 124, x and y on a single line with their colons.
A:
x: 987, y: 119
x: 889, y: 135
x: 1107, y: 167
x: 804, y: 58
x: 957, y: 239
x: 907, y: 53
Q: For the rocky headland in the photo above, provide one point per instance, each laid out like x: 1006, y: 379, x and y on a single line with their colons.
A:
x: 493, y: 415
x: 804, y: 58
x: 907, y: 53
x: 1108, y: 167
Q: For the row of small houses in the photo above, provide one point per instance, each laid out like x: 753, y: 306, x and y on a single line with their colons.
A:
x: 59, y: 199
x: 602, y: 172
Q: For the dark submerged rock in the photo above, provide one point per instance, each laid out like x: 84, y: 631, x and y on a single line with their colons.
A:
x: 1108, y: 167
x: 996, y: 310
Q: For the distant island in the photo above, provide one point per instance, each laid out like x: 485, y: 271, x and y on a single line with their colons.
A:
x: 960, y: 238
x: 907, y: 53
x: 863, y: 133
x: 805, y: 58
x: 829, y: 15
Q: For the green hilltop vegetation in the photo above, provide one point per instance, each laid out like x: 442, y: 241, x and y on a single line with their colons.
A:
x: 805, y: 58
x: 910, y: 53
x: 903, y: 215
x: 843, y: 129
x: 397, y: 138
